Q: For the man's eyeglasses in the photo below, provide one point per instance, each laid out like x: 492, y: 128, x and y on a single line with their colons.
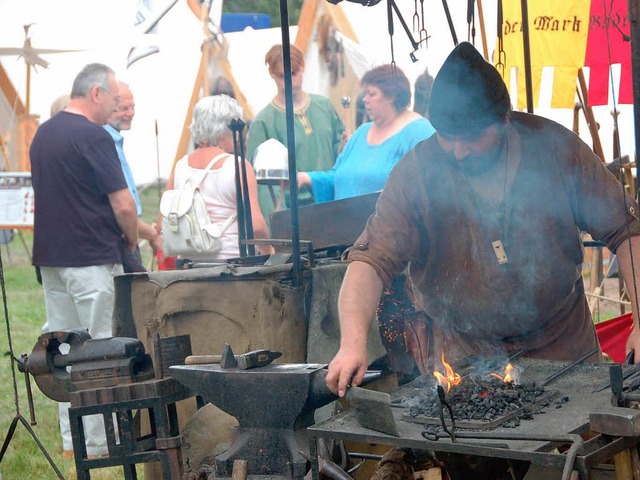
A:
x: 115, y: 96
x: 126, y: 107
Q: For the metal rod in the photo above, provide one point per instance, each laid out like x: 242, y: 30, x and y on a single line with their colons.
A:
x: 450, y: 22
x: 414, y: 44
x: 32, y: 411
x: 246, y: 200
x: 239, y: 198
x: 527, y: 54
x: 564, y: 370
x: 291, y: 143
x: 576, y: 443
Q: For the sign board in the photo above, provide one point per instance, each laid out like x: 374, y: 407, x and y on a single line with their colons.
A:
x: 16, y: 200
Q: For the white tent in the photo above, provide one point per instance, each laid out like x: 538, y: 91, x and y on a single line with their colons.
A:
x: 104, y: 32
x: 163, y: 83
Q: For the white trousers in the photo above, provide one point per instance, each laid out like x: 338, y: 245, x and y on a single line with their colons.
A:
x: 81, y: 297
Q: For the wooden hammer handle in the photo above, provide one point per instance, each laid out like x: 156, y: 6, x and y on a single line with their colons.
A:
x: 202, y: 359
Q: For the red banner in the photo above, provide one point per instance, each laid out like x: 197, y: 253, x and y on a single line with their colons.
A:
x: 608, y: 44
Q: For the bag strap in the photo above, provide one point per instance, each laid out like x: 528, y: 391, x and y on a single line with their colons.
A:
x: 227, y: 223
x: 199, y: 176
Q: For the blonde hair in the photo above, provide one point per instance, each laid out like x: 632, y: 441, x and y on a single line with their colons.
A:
x: 60, y: 103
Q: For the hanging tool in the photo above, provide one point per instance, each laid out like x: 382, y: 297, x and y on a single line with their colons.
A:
x: 414, y: 44
x: 416, y: 17
x: 471, y: 21
x: 423, y: 31
x: 501, y: 57
x: 449, y: 21
x: 390, y: 29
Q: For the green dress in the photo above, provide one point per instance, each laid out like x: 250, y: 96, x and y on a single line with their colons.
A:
x: 318, y: 130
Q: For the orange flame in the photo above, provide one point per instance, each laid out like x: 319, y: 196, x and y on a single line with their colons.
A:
x: 507, y: 377
x: 450, y: 378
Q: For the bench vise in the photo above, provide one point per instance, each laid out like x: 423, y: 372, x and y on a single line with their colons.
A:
x: 86, y: 364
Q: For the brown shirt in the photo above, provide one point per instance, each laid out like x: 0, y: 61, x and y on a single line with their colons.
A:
x: 428, y: 217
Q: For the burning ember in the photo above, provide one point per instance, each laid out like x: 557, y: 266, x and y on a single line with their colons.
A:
x: 507, y: 377
x: 450, y: 378
x: 484, y: 401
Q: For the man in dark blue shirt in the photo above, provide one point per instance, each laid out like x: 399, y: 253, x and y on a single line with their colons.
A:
x: 84, y: 219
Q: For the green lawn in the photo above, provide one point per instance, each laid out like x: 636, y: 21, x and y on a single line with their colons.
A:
x: 25, y: 305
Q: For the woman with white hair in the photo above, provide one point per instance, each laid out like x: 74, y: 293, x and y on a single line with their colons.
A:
x: 213, y: 139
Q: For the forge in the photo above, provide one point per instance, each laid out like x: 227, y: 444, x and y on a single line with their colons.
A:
x: 569, y: 422
x: 480, y: 404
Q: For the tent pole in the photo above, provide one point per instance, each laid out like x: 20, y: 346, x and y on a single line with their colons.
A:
x: 527, y: 54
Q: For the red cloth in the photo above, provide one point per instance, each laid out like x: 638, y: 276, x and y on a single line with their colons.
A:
x: 169, y: 263
x: 603, y: 16
x: 613, y: 335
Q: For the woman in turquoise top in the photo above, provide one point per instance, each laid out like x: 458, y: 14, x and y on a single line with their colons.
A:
x: 375, y: 147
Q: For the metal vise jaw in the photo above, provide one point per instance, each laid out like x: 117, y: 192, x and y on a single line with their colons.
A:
x: 89, y: 363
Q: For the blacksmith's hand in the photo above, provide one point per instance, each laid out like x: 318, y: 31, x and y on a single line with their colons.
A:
x: 346, y: 370
x: 633, y: 342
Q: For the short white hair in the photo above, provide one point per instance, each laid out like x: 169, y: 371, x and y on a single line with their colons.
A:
x: 211, y: 118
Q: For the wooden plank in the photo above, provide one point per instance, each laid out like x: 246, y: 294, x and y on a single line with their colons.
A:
x: 306, y: 23
x: 11, y: 93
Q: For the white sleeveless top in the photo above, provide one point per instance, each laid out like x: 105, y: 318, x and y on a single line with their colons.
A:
x: 219, y: 192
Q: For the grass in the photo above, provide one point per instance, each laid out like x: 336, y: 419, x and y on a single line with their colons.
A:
x: 25, y: 306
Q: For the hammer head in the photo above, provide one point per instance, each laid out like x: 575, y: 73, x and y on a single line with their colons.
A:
x: 256, y: 358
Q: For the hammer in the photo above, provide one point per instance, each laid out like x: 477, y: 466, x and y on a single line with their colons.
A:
x: 245, y: 361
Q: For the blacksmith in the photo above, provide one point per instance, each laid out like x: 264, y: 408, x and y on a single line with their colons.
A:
x: 488, y: 215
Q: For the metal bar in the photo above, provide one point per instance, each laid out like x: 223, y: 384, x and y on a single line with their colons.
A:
x: 564, y: 370
x: 626, y: 374
x: 246, y: 200
x: 414, y: 44
x: 450, y: 22
x: 291, y: 143
x: 239, y: 198
x: 527, y: 54
x: 572, y: 453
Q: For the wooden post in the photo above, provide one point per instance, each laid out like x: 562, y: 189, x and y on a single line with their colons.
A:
x: 240, y: 470
x: 25, y: 131
x: 5, y: 155
x: 597, y: 269
x: 483, y: 32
